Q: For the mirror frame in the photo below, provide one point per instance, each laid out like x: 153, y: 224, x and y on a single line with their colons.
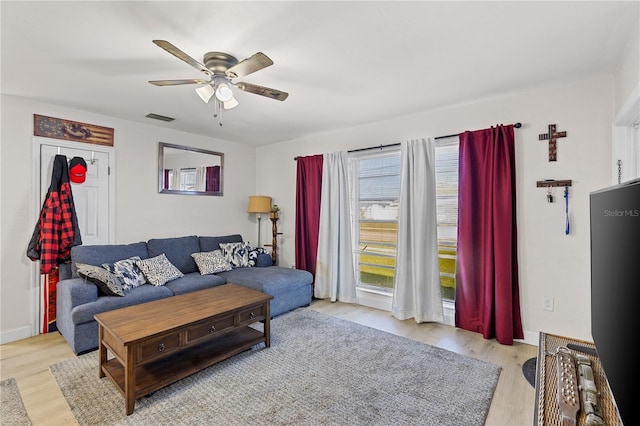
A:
x: 161, y: 151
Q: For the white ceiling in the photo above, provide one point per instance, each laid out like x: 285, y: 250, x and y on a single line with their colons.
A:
x: 343, y: 63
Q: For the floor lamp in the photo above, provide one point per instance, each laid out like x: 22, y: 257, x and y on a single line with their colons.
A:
x: 259, y: 204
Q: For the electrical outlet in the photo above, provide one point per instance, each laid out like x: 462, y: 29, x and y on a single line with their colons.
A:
x: 547, y: 304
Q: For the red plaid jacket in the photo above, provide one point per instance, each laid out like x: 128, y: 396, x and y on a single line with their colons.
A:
x: 57, y: 229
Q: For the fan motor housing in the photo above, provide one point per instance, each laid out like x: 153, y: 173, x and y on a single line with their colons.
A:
x: 219, y: 62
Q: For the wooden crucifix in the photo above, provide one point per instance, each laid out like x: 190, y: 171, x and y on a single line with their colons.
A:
x: 552, y: 136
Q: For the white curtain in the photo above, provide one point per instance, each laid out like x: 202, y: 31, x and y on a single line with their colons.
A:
x: 335, y: 277
x: 175, y: 179
x: 201, y: 179
x: 416, y: 291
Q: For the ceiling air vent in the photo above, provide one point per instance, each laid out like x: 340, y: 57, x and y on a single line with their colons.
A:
x: 159, y: 117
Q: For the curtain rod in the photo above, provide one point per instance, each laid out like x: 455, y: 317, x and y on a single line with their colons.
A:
x: 516, y: 125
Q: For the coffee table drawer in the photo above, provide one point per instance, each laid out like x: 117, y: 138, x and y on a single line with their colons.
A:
x: 209, y: 327
x: 158, y: 347
x: 256, y: 313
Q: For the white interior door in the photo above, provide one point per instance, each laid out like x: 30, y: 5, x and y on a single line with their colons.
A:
x: 91, y: 198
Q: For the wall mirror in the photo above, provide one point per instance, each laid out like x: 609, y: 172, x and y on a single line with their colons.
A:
x: 190, y: 171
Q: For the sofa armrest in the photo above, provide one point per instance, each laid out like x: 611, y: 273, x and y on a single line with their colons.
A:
x: 263, y: 260
x: 76, y: 291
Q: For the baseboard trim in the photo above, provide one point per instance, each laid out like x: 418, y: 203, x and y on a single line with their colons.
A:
x: 15, y: 334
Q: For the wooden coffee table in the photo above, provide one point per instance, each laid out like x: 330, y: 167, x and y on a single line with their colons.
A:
x: 157, y: 343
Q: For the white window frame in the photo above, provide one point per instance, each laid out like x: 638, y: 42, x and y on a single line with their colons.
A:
x: 365, y: 294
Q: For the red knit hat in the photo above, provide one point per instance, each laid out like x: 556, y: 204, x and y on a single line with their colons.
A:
x: 77, y: 170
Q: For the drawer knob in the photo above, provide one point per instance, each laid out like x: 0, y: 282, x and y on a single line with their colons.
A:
x: 161, y: 347
x: 252, y: 315
x: 212, y: 329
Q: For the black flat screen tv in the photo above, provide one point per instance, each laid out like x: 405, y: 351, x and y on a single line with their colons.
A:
x: 615, y: 291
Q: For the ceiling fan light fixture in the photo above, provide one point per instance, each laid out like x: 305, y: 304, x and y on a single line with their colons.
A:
x: 224, y: 93
x: 230, y: 104
x: 205, y: 92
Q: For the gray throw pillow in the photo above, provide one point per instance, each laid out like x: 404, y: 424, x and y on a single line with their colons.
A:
x: 158, y: 270
x: 107, y: 282
x: 127, y: 271
x: 211, y: 262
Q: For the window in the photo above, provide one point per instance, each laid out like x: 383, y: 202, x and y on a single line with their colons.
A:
x: 447, y: 151
x: 375, y: 195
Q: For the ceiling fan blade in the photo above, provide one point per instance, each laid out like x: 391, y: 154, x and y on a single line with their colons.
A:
x: 176, y: 82
x: 263, y: 91
x: 250, y: 65
x: 182, y: 56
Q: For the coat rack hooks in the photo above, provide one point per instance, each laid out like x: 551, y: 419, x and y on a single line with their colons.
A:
x: 92, y: 160
x: 552, y: 183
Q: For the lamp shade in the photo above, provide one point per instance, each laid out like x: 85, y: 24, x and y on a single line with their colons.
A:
x: 259, y: 204
x: 205, y: 92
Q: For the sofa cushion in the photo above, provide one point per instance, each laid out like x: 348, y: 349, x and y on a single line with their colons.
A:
x: 128, y: 272
x: 264, y: 260
x: 236, y: 253
x: 158, y: 270
x: 194, y: 281
x: 145, y: 293
x: 211, y: 262
x: 213, y: 243
x: 98, y: 254
x: 108, y: 283
x: 178, y: 250
x: 272, y: 280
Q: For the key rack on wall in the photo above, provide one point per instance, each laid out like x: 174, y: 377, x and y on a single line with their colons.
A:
x: 553, y: 183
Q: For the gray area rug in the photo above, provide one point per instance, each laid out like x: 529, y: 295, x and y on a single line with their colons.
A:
x: 12, y: 411
x: 319, y: 370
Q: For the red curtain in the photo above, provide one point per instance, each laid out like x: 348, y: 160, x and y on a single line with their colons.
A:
x: 487, y: 293
x: 212, y: 178
x: 308, y: 189
x: 166, y: 178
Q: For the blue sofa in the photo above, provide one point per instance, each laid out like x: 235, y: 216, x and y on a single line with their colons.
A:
x: 78, y: 300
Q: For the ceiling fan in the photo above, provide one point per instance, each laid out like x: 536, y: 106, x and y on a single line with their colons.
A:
x: 221, y: 68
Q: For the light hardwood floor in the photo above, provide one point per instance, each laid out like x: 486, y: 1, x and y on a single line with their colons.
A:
x: 28, y: 361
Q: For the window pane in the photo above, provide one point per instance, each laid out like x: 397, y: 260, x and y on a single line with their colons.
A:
x: 447, y: 211
x: 375, y: 192
x: 376, y: 271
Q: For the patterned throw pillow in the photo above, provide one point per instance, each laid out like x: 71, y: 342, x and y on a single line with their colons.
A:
x: 253, y: 254
x: 127, y: 271
x: 211, y: 262
x: 158, y: 270
x: 107, y: 282
x: 236, y: 253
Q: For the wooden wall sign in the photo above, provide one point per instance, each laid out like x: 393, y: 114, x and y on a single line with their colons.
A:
x: 552, y: 136
x: 58, y: 128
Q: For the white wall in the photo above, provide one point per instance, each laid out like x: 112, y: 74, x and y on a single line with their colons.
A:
x: 551, y: 263
x: 141, y: 212
x: 627, y: 73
